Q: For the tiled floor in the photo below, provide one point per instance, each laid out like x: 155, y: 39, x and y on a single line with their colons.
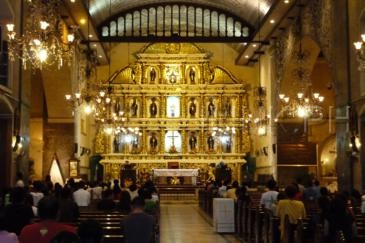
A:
x: 184, y: 223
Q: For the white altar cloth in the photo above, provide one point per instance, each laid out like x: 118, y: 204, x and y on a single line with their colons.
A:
x: 176, y: 172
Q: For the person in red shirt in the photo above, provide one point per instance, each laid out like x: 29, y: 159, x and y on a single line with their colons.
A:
x: 45, y: 230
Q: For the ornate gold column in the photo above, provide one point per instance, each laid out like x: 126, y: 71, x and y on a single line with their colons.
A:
x: 163, y: 106
x: 184, y: 149
x: 162, y: 141
x: 143, y: 104
x: 144, y: 141
x: 183, y: 78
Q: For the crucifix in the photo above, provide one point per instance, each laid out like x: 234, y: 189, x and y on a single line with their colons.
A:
x: 173, y: 138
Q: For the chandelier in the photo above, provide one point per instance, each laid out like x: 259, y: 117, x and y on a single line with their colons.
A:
x: 260, y: 119
x: 360, y: 52
x: 87, y: 92
x: 302, y: 106
x: 46, y: 39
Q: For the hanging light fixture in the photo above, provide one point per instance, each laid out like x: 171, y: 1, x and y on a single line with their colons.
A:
x: 87, y: 91
x: 306, y: 103
x: 360, y: 52
x: 46, y: 40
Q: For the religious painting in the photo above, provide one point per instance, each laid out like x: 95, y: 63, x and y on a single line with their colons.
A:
x: 173, y: 142
x: 172, y: 74
x: 74, y: 168
x: 173, y: 107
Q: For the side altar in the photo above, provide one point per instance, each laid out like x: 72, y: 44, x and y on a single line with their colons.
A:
x: 178, y: 108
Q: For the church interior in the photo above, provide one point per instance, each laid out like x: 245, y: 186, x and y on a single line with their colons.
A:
x: 183, y: 93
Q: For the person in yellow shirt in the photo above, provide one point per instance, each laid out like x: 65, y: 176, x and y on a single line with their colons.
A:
x: 293, y: 208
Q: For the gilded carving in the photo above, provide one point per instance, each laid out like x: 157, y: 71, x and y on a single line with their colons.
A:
x: 99, y: 142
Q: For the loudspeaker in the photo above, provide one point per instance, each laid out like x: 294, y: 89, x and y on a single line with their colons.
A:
x: 76, y: 148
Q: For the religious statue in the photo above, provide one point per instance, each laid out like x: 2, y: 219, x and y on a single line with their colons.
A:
x: 192, y: 142
x: 172, y: 78
x: 211, y: 107
x: 210, y: 142
x: 134, y: 108
x: 135, y: 144
x: 152, y: 75
x: 192, y: 107
x: 192, y: 75
x: 227, y: 108
x: 228, y: 145
x: 116, y: 144
x: 153, y: 142
x: 117, y: 106
x: 153, y: 108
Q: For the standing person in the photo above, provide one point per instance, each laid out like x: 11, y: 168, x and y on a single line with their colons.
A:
x: 290, y: 207
x: 47, y: 228
x: 138, y: 226
x: 68, y: 209
x: 82, y: 196
x: 37, y: 193
x: 116, y: 189
x: 269, y: 198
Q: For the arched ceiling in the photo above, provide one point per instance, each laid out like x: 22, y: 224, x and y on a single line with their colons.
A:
x: 246, y: 9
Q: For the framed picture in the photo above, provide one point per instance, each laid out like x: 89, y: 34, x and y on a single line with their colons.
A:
x: 74, y: 168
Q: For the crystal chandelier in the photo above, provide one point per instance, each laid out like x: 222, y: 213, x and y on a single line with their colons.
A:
x: 46, y: 39
x: 302, y: 106
x: 360, y: 52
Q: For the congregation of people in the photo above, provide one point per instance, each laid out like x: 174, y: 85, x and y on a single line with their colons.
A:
x: 333, y: 210
x: 44, y: 212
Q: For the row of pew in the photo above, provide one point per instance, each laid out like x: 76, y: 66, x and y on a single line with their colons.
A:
x: 257, y: 225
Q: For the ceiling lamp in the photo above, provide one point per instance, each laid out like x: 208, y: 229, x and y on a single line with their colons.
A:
x: 45, y: 40
x: 360, y: 52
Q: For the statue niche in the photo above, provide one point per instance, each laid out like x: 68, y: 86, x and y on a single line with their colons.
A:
x: 153, y: 108
x: 192, y: 107
x: 193, y: 141
x: 192, y: 75
x: 152, y: 75
x: 211, y: 108
x: 153, y: 143
x: 134, y: 108
x: 210, y: 143
x: 227, y: 108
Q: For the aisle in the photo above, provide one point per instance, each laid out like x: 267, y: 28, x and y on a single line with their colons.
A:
x: 182, y: 223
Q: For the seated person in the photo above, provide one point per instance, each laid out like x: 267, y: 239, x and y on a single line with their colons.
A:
x: 138, y: 226
x: 90, y: 231
x: 124, y: 201
x: 290, y: 207
x: 82, y: 196
x: 47, y: 228
x: 6, y: 236
x: 68, y: 211
x: 107, y: 202
x: 65, y: 237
